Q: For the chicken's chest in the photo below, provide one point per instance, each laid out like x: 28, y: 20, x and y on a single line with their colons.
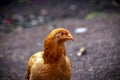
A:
x: 55, y: 71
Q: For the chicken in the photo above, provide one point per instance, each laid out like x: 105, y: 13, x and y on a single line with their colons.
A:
x: 52, y: 63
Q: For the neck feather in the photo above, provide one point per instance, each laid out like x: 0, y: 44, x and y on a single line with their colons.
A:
x: 53, y: 51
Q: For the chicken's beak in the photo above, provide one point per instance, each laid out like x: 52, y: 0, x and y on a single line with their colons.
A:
x: 70, y: 37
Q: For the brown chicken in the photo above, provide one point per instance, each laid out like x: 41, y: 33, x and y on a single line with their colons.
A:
x: 52, y: 63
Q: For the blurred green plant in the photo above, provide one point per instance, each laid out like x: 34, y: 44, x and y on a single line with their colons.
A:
x: 21, y: 1
x: 91, y: 15
x: 95, y: 14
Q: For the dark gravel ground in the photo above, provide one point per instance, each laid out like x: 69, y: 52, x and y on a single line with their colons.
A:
x: 100, y: 62
x: 102, y: 41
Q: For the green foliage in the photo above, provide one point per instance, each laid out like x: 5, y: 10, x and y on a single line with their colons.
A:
x: 21, y: 1
x: 91, y: 15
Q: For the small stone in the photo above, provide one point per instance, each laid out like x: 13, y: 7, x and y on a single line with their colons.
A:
x: 82, y: 51
x: 80, y: 30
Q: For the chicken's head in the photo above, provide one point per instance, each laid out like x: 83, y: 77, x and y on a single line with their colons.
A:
x: 60, y: 35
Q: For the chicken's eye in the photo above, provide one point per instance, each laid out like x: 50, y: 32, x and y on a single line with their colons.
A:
x: 62, y: 33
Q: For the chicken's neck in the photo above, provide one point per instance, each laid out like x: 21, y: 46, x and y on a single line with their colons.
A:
x: 53, y: 52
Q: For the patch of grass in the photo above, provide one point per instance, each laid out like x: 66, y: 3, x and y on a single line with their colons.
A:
x: 91, y: 15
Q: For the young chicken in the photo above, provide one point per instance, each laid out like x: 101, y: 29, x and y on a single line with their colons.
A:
x: 52, y: 63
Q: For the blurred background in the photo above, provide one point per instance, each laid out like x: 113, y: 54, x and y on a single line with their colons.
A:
x: 95, y: 25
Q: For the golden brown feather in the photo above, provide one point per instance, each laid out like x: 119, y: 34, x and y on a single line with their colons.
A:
x: 52, y: 63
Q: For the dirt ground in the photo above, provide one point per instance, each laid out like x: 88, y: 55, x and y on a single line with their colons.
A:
x: 101, y: 60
